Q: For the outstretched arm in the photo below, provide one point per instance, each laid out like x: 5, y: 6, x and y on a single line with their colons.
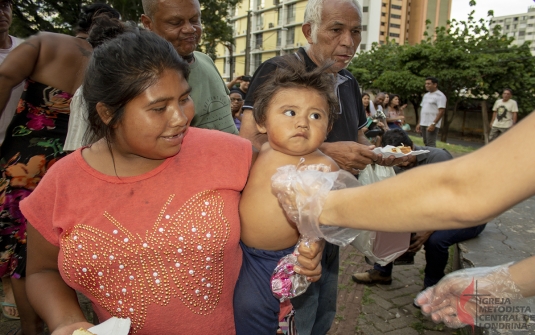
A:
x: 463, y: 192
x: 57, y: 305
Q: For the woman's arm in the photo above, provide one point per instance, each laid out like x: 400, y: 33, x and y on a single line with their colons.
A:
x: 54, y: 301
x: 17, y: 66
x: 460, y: 193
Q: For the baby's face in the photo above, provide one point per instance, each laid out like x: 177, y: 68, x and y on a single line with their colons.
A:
x: 296, y: 121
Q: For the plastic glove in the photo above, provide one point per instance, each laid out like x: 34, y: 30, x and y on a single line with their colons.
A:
x: 302, y: 191
x: 457, y: 297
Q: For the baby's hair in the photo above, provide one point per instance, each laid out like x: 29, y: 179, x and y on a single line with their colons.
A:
x: 396, y: 137
x: 120, y: 69
x: 292, y: 73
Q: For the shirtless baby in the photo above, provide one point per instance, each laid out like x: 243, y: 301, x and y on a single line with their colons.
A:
x: 296, y: 110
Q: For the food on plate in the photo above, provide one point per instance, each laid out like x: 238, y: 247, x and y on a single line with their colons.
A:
x: 82, y: 331
x: 404, y: 149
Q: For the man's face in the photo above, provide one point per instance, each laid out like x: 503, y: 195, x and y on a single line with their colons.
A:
x: 430, y: 86
x: 179, y: 22
x: 379, y: 99
x: 338, y: 35
x: 506, y: 95
x: 244, y: 86
x: 6, y: 15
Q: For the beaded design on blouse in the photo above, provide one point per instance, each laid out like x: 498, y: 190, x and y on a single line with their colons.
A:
x: 180, y: 257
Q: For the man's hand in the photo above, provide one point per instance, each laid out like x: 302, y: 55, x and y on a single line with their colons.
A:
x: 418, y: 128
x: 431, y: 128
x: 391, y: 160
x: 310, y: 260
x: 350, y: 156
x: 419, y: 240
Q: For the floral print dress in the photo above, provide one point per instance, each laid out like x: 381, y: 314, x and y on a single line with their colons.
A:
x: 34, y: 141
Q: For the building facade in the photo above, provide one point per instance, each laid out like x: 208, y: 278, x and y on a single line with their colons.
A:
x: 519, y: 26
x: 275, y: 28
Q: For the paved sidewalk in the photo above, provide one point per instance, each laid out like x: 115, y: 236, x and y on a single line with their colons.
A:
x: 381, y: 309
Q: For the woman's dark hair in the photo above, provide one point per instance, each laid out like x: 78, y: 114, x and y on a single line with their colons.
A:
x: 292, y: 73
x: 367, y: 108
x: 390, y: 98
x: 120, y: 69
x: 90, y: 12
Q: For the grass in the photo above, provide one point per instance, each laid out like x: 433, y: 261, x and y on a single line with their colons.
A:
x: 366, y: 300
x: 452, y: 148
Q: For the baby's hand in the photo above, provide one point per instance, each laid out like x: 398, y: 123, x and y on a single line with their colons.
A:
x: 310, y: 259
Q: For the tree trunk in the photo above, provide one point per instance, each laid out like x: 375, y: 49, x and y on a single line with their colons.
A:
x: 485, y: 118
x: 446, y: 123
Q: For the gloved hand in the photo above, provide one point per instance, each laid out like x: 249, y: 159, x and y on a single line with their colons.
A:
x: 453, y: 299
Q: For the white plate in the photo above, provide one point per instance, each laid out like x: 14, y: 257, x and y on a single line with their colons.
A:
x: 387, y: 152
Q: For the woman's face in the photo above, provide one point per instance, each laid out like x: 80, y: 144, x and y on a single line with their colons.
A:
x: 387, y: 98
x: 366, y: 100
x: 155, y: 122
x: 395, y: 101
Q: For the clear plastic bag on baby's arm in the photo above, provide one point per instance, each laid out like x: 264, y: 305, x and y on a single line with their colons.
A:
x: 302, y: 190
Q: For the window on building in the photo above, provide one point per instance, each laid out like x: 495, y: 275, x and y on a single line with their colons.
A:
x: 383, y: 14
x: 515, y: 19
x: 393, y: 25
x: 395, y: 16
x: 279, y: 37
x: 258, y: 41
x: 382, y: 33
x: 393, y: 35
x: 395, y: 7
x: 260, y: 21
x: 384, y: 4
x: 280, y: 16
x: 514, y: 26
x: 364, y: 28
x: 383, y: 24
x: 290, y: 36
x: 290, y: 15
x: 363, y: 46
x: 257, y: 60
x: 507, y: 27
x: 522, y: 33
x: 365, y: 9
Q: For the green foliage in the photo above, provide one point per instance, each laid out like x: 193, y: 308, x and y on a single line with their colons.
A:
x: 469, y: 59
x: 215, y: 25
x: 32, y: 16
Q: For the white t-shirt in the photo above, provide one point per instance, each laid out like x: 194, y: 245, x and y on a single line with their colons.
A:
x: 16, y: 92
x: 373, y: 111
x: 78, y: 123
x: 504, y: 113
x: 431, y: 103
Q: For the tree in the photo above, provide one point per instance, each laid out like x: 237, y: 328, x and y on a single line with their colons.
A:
x: 33, y: 16
x: 469, y: 60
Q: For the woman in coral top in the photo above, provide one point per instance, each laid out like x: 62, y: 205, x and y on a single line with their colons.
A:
x: 144, y: 221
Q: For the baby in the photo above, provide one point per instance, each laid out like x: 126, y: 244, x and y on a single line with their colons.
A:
x: 296, y: 110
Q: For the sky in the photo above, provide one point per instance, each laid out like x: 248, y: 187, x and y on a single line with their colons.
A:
x: 460, y: 8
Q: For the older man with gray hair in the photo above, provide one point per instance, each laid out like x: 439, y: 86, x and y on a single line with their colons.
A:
x: 332, y: 29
